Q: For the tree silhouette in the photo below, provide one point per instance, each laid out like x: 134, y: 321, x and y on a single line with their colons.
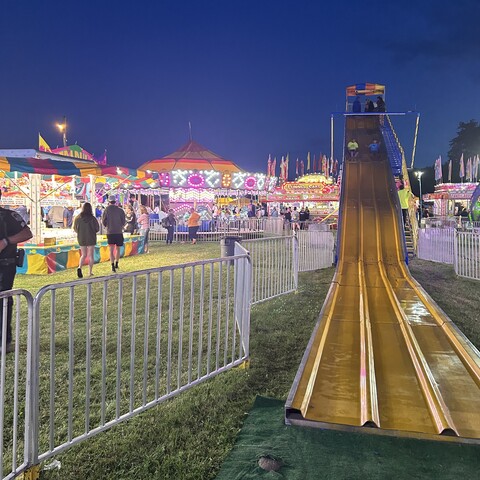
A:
x: 467, y: 142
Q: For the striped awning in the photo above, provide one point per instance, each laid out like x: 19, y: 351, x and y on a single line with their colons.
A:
x: 365, y: 89
x: 47, y: 166
x: 67, y: 168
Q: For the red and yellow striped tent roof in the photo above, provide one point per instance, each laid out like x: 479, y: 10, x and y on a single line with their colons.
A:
x: 368, y: 89
x: 192, y: 156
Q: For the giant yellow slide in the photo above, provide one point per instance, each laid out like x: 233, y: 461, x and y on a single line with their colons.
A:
x: 383, y: 355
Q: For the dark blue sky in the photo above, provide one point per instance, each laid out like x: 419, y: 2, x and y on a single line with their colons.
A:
x: 253, y: 77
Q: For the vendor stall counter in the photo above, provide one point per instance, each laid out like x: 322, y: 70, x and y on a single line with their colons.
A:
x: 51, y: 257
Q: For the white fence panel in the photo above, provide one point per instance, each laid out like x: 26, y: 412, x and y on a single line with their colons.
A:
x: 16, y: 449
x: 436, y: 244
x: 467, y: 254
x: 274, y: 266
x: 101, y: 350
x: 316, y: 249
x: 215, y: 230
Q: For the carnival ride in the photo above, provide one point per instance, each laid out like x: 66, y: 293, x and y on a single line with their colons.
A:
x: 383, y: 354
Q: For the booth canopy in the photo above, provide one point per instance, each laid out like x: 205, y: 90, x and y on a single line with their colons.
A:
x: 192, y: 156
x: 65, y: 168
x: 365, y: 89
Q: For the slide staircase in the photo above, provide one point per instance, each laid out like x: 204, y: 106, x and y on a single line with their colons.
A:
x: 383, y: 356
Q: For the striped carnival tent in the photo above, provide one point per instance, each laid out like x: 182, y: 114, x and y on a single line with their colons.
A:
x: 67, y: 168
x: 192, y: 156
x: 47, y: 166
x: 368, y: 89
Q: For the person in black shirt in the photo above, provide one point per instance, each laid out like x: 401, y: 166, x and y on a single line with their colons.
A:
x: 13, y: 230
x: 380, y: 105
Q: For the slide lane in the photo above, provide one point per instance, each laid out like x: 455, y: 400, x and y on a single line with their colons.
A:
x: 383, y: 354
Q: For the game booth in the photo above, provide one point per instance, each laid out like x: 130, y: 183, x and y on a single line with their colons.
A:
x: 317, y: 191
x: 46, y: 184
x: 447, y: 197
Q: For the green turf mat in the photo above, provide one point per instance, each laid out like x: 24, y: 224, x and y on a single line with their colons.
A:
x: 310, y: 453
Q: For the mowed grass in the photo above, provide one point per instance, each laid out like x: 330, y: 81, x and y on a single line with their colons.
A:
x: 189, y: 437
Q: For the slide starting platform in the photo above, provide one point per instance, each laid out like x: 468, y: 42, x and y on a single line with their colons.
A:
x: 383, y: 356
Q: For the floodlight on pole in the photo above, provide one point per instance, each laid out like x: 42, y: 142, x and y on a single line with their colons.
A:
x: 419, y: 176
x: 63, y: 130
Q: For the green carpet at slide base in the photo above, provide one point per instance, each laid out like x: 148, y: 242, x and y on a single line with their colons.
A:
x: 311, y: 453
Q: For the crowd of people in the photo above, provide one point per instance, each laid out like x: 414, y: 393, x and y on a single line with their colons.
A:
x: 369, y: 106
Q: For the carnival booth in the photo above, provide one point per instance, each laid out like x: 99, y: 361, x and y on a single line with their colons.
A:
x: 196, y: 176
x: 448, y: 197
x: 45, y: 186
x: 315, y: 191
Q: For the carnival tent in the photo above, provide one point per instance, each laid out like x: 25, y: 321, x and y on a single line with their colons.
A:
x: 192, y: 156
x: 47, y: 166
x: 66, y: 168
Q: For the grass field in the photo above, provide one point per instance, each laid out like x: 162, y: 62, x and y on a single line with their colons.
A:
x: 189, y: 437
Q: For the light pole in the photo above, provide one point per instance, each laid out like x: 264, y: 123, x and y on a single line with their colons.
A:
x: 419, y: 176
x: 63, y: 129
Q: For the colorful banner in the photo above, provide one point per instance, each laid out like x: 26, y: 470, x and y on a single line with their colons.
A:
x: 74, y: 151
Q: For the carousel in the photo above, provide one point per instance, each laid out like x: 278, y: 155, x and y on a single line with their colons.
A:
x: 197, y: 177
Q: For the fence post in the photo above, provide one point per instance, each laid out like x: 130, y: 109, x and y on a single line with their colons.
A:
x: 238, y: 293
x: 247, y: 302
x: 455, y: 251
x: 32, y: 408
x: 295, y: 260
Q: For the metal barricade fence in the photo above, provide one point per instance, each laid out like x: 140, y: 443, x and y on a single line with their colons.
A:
x: 274, y: 266
x: 316, y: 249
x: 215, y: 230
x: 15, y: 385
x: 467, y: 254
x: 108, y: 348
x: 436, y: 244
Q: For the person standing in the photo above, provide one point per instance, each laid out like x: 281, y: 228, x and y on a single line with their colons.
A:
x: 356, y: 106
x: 13, y: 230
x: 144, y: 227
x: 295, y: 219
x: 130, y: 220
x: 86, y: 227
x: 113, y: 219
x: 170, y: 223
x: 381, y: 107
x: 369, y: 106
x: 404, y: 196
x: 193, y: 224
x: 68, y: 217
